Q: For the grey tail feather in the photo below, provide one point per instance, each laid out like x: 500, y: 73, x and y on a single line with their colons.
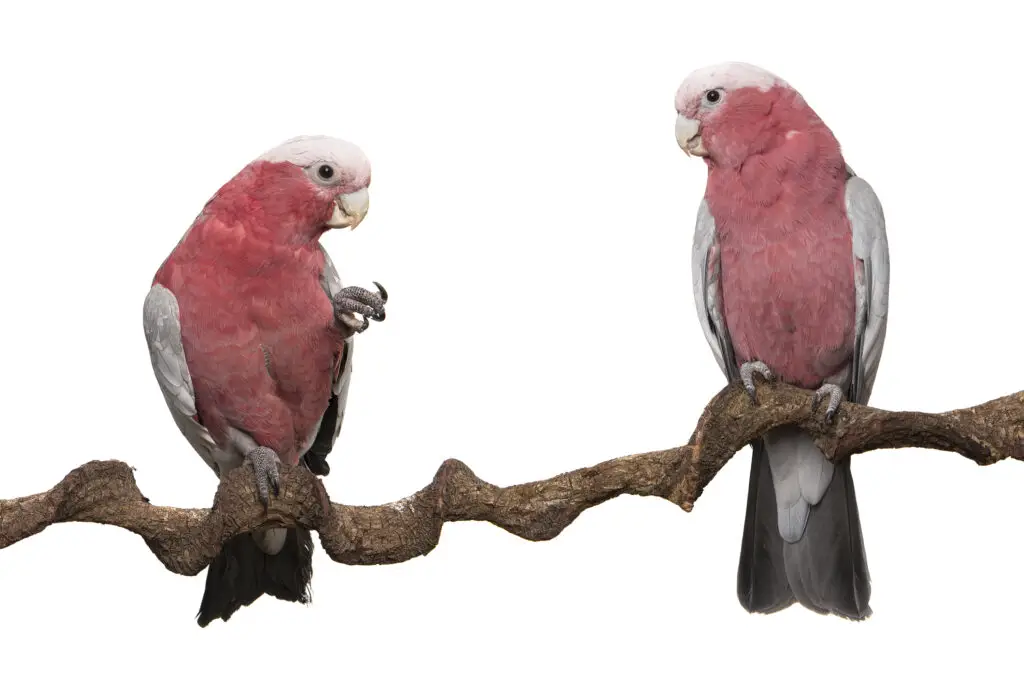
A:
x: 242, y: 572
x: 761, y: 582
x: 827, y: 568
x: 825, y: 571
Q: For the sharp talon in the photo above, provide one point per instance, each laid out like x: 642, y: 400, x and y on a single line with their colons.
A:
x: 353, y: 301
x: 264, y: 463
x: 835, y: 398
x: 747, y: 372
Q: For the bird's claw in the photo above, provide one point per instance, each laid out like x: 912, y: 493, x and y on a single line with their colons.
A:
x: 835, y: 397
x: 747, y: 372
x: 353, y: 303
x: 266, y: 467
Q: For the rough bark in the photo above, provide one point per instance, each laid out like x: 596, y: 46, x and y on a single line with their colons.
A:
x: 187, y: 540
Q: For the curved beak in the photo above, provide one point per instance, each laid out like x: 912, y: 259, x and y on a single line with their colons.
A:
x: 350, y: 209
x: 688, y: 136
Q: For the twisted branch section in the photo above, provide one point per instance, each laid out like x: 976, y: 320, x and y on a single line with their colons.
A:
x: 187, y: 540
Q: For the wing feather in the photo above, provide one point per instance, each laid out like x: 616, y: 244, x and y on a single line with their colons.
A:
x: 871, y: 261
x: 705, y: 271
x: 163, y: 335
x: 329, y: 427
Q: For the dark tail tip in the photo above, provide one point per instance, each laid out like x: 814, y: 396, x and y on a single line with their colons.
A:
x: 242, y: 573
x: 761, y: 583
x: 828, y: 568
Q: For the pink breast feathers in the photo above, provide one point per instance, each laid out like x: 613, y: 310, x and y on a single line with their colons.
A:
x: 788, y: 288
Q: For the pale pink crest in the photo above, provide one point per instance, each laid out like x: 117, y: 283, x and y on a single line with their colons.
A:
x: 308, y: 150
x: 726, y: 75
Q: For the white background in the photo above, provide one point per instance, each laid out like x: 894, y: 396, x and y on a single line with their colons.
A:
x: 531, y: 217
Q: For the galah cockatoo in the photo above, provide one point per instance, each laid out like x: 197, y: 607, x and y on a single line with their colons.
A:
x: 791, y: 280
x: 250, y: 333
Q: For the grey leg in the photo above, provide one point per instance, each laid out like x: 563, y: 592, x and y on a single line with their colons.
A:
x: 835, y: 397
x: 356, y: 301
x: 266, y: 467
x: 747, y: 372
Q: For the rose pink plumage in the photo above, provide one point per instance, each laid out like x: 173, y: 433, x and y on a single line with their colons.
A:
x: 250, y: 336
x: 265, y: 369
x: 790, y: 271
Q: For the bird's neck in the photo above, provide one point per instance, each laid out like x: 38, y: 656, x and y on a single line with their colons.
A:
x: 237, y: 253
x: 780, y: 190
x: 274, y: 204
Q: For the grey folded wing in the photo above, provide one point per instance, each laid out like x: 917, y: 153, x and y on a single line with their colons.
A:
x: 163, y: 335
x: 706, y: 274
x: 871, y: 268
x: 330, y: 425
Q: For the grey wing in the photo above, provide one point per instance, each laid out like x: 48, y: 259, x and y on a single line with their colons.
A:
x: 871, y: 268
x: 163, y: 335
x: 327, y: 431
x: 706, y: 272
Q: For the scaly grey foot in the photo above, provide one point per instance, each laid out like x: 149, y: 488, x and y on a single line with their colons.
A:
x: 835, y: 397
x: 352, y: 302
x: 747, y: 372
x: 266, y: 466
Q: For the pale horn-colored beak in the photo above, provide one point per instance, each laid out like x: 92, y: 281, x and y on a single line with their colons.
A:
x: 350, y: 209
x: 688, y: 136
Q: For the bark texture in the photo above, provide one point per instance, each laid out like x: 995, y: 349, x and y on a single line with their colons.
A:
x: 187, y: 540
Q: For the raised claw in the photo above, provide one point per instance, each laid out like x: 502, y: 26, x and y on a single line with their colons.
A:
x: 835, y: 398
x: 351, y: 303
x: 266, y: 467
x: 747, y: 372
x: 362, y: 301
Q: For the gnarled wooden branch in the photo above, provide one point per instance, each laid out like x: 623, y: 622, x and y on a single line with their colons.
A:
x: 187, y: 540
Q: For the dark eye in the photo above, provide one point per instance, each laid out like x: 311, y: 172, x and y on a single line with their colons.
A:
x: 713, y: 96
x: 325, y: 172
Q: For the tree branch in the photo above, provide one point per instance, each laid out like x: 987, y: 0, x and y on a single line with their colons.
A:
x: 187, y: 540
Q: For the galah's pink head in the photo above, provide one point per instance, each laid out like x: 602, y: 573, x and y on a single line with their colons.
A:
x: 299, y: 189
x: 729, y: 112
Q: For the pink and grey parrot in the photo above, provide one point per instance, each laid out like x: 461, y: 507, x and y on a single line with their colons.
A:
x: 250, y: 333
x: 791, y: 280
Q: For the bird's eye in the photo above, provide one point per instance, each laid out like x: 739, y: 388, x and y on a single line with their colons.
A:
x: 713, y: 96
x: 325, y: 172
